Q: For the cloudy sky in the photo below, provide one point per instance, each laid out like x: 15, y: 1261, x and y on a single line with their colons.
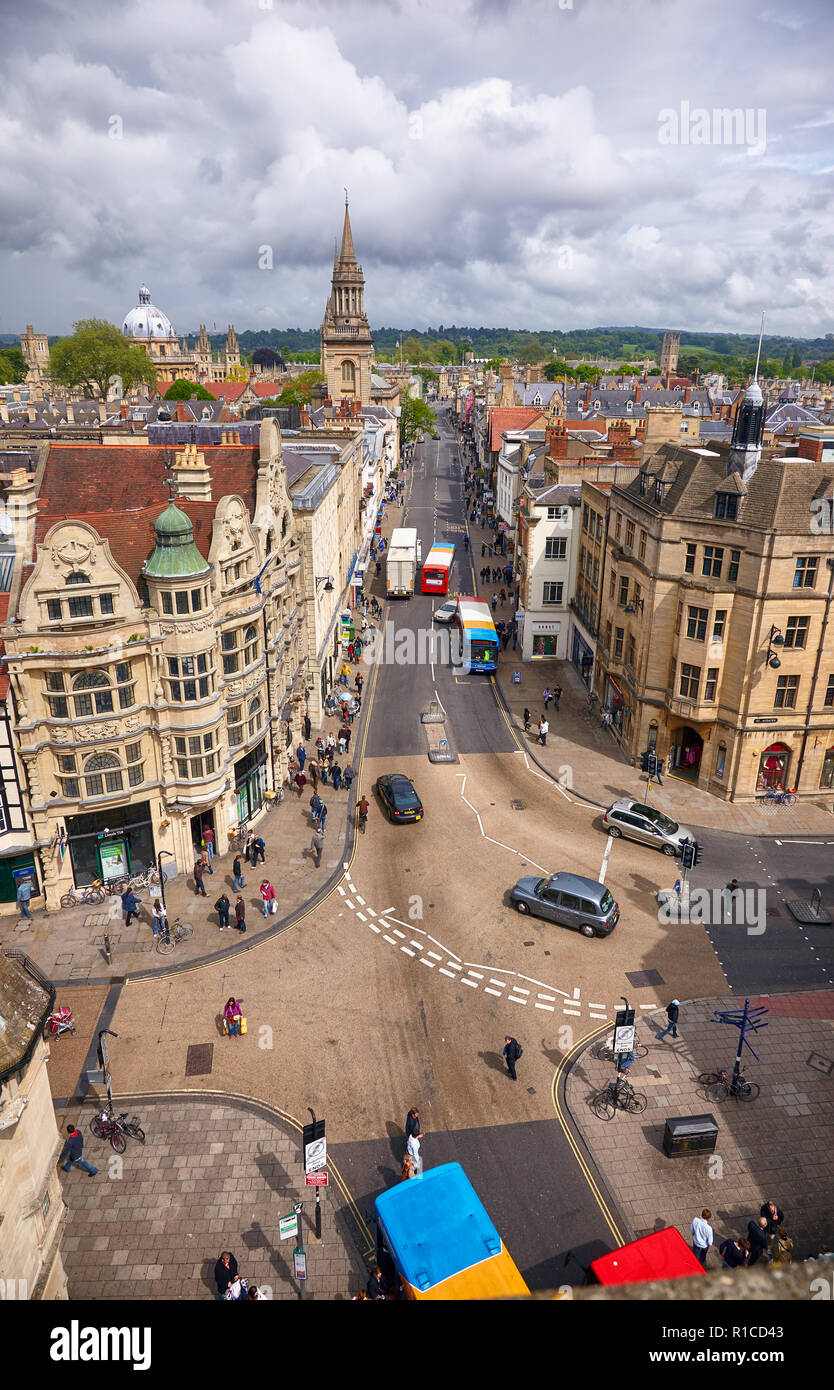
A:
x: 532, y: 163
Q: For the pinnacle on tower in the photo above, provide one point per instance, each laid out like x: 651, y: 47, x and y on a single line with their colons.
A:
x: 348, y: 255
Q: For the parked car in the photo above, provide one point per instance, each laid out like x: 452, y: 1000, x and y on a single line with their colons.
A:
x: 569, y: 900
x: 400, y: 801
x: 636, y: 821
x: 446, y: 612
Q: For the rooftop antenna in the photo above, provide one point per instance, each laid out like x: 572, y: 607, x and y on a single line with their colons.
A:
x: 759, y: 349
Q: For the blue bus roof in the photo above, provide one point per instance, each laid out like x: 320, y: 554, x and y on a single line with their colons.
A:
x: 436, y: 1226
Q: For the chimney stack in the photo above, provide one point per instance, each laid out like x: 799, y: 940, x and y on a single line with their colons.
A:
x: 687, y: 395
x: 638, y: 392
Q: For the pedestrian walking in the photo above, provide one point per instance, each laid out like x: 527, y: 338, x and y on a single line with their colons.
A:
x: 505, y: 639
x: 758, y: 1239
x: 494, y: 602
x: 221, y: 907
x: 733, y: 1253
x: 774, y: 1216
x: 130, y: 905
x: 348, y: 776
x: 375, y: 1288
x: 511, y: 1052
x: 240, y: 915
x: 300, y: 781
x: 24, y: 893
x: 336, y: 777
x: 247, y: 853
x: 208, y: 842
x: 408, y: 1167
x: 301, y: 755
x: 557, y: 695
x: 205, y: 860
x: 312, y: 768
x: 237, y: 872
x: 323, y: 773
x: 341, y: 742
x: 268, y: 897
x: 345, y: 733
x: 315, y: 806
x: 483, y: 553
x: 225, y: 1272
x: 159, y: 917
x: 672, y: 1014
x: 503, y: 597
x: 547, y: 696
x: 544, y: 730
x: 412, y: 1122
x: 702, y: 1235
x: 781, y: 1247
x: 258, y: 848
x: 527, y: 720
x: 359, y: 682
x: 322, y: 817
x: 412, y: 1148
x: 199, y: 886
x: 317, y: 845
x: 72, y: 1151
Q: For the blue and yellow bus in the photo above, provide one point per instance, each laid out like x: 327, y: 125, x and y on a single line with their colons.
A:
x: 441, y: 1240
x: 477, y: 637
x: 436, y: 568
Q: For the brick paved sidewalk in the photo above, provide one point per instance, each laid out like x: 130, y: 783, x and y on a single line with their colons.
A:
x: 213, y: 1175
x: 776, y: 1147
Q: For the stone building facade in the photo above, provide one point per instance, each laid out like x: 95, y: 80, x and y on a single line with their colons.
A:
x: 715, y: 641
x: 150, y: 328
x: 157, y: 658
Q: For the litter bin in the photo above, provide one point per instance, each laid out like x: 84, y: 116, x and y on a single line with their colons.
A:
x: 689, y: 1134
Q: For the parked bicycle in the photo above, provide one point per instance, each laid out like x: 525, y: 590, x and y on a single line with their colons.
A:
x: 105, y: 1126
x: 604, y: 1050
x: 59, y: 1022
x: 274, y: 799
x: 171, y: 935
x: 718, y: 1085
x: 618, y: 1095
x: 774, y: 797
x: 132, y: 1128
x: 149, y: 878
x: 90, y: 893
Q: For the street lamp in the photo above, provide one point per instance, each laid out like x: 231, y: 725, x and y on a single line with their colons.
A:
x: 775, y: 640
x: 162, y: 876
x: 327, y: 581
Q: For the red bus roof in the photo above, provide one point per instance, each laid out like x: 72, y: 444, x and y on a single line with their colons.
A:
x: 662, y: 1255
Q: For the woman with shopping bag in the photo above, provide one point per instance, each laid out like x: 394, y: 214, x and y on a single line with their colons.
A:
x: 268, y: 898
x: 232, y: 1015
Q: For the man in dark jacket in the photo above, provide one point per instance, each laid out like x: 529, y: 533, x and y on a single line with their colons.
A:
x: 259, y: 848
x: 375, y: 1288
x: 225, y: 1272
x: 222, y: 908
x: 130, y: 905
x: 511, y: 1054
x: 237, y: 872
x: 673, y: 1014
x: 308, y: 728
x: 72, y: 1151
x: 774, y: 1216
x: 412, y: 1122
x: 733, y: 1253
x: 758, y: 1238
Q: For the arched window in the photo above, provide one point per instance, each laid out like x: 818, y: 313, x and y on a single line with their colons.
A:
x: 102, y: 773
x: 256, y: 717
x: 90, y: 680
x: 348, y: 375
x: 77, y: 578
x: 250, y: 645
x: 100, y: 702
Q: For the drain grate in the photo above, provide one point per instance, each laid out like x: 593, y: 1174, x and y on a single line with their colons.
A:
x: 518, y: 805
x: 199, y: 1059
x: 639, y: 979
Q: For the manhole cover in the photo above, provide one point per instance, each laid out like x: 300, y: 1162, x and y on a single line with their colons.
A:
x: 773, y: 912
x: 198, y: 1059
x: 639, y: 978
x: 518, y: 805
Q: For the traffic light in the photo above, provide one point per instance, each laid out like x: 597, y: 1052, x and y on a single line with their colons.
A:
x: 697, y: 852
x: 686, y: 853
x: 644, y: 762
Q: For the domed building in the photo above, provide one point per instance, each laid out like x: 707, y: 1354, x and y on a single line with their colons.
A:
x: 175, y: 360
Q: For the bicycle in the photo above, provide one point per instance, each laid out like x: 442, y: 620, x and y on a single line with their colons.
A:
x: 774, y: 797
x: 105, y: 1126
x: 718, y: 1085
x: 132, y: 1128
x: 362, y: 818
x: 604, y: 1050
x: 618, y: 1095
x: 90, y: 893
x: 171, y: 935
x: 274, y: 799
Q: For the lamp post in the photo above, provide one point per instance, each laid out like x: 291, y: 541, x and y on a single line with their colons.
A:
x: 775, y: 640
x: 162, y: 876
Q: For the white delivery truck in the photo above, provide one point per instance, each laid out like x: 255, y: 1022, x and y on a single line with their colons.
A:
x: 404, y: 554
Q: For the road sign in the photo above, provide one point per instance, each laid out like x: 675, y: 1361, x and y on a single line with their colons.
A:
x: 316, y: 1179
x: 315, y: 1147
x: 624, y: 1039
x: 299, y: 1261
x: 288, y: 1226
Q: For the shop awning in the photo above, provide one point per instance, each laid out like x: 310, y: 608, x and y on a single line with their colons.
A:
x: 193, y: 802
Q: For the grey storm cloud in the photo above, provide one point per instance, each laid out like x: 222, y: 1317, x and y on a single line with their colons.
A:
x: 537, y: 163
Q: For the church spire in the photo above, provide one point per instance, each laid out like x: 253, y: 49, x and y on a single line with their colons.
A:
x: 348, y: 255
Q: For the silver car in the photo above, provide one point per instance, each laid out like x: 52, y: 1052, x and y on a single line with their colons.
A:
x: 446, y: 612
x: 635, y: 821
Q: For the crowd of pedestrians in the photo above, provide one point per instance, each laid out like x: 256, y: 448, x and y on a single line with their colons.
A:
x: 767, y: 1240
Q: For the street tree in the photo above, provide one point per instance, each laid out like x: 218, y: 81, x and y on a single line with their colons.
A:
x: 13, y: 366
x: 415, y: 418
x: 187, y: 391
x: 300, y: 391
x: 94, y: 354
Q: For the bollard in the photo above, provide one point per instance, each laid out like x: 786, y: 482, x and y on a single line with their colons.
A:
x: 107, y: 950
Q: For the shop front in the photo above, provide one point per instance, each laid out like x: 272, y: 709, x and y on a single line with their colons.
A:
x: 613, y: 701
x: 773, y: 768
x: 582, y: 657
x: 251, y: 782
x: 110, y: 843
x: 686, y: 748
x: 544, y: 640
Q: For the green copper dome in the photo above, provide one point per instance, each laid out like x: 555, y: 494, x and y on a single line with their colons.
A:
x: 175, y: 554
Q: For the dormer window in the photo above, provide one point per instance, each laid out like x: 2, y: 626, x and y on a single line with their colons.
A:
x: 629, y: 406
x: 659, y: 487
x: 643, y: 482
x: 726, y: 506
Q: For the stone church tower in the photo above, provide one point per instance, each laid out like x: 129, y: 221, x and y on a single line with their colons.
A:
x: 347, y: 349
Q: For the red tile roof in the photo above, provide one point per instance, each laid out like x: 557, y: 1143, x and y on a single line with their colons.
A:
x: 509, y: 417
x: 120, y: 491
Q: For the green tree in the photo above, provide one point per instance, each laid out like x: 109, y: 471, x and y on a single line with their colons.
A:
x: 445, y: 351
x: 796, y: 360
x: 415, y: 417
x: 786, y: 363
x: 13, y: 367
x: 555, y: 370
x: 187, y: 391
x: 427, y: 375
x: 95, y: 354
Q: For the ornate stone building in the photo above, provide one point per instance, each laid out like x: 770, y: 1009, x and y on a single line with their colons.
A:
x: 157, y: 658
x: 151, y: 329
x: 347, y: 348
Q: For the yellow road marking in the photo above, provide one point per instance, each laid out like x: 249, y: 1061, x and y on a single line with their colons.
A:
x: 577, y: 1153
